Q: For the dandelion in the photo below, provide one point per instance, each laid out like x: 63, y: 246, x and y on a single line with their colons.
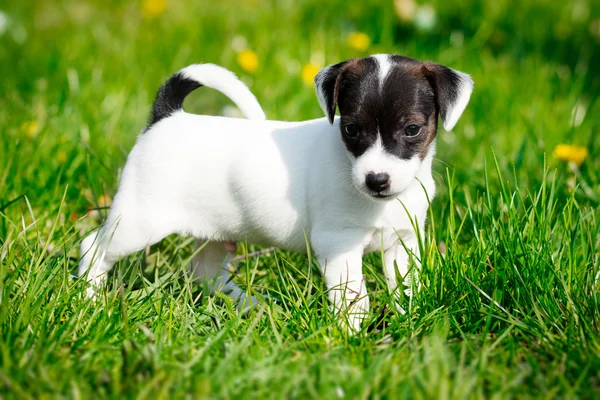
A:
x: 308, y: 73
x: 569, y: 153
x: 31, y: 128
x: 405, y: 9
x: 104, y: 201
x: 153, y: 8
x: 248, y: 60
x: 359, y: 41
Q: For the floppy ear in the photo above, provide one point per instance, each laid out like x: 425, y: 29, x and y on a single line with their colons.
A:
x: 452, y: 91
x: 327, y: 88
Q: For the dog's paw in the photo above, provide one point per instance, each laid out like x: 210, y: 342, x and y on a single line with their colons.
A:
x: 91, y: 292
x: 351, y: 314
x: 94, y: 287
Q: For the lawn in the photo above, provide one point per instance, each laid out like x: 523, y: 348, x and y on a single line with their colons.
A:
x: 509, y: 304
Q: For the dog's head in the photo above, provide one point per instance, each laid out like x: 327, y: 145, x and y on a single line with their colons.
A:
x: 389, y: 107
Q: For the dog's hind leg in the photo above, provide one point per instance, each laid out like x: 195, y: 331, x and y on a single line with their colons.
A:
x: 124, y: 233
x: 211, y: 266
x: 93, y: 265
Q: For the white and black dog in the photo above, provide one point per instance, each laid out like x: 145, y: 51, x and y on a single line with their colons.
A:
x: 350, y: 185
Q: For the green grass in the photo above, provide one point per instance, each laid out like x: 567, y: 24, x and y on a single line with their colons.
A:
x: 509, y: 303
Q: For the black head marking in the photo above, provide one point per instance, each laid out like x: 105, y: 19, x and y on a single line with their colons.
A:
x: 325, y: 86
x: 381, y: 96
x: 453, y: 90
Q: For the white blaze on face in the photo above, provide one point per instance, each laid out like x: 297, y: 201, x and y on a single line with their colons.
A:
x: 384, y: 65
x: 377, y: 160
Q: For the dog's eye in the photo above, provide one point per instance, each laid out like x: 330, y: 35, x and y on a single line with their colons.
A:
x: 351, y: 130
x: 412, y: 130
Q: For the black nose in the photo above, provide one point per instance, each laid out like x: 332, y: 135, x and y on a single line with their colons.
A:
x: 378, y: 182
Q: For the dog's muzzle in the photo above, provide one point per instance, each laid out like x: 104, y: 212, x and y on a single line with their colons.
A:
x: 378, y: 184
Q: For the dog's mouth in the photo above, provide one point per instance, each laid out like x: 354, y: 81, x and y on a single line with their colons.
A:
x: 383, y: 196
x: 378, y: 196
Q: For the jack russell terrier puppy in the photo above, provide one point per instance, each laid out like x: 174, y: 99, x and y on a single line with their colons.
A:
x: 350, y: 185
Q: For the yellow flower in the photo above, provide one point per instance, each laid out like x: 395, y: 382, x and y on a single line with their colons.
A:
x: 574, y: 154
x: 104, y: 201
x: 308, y: 73
x: 61, y: 156
x: 31, y: 128
x: 359, y: 41
x: 248, y: 60
x: 153, y: 8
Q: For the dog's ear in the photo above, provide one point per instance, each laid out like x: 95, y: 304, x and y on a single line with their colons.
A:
x: 327, y: 86
x: 452, y: 91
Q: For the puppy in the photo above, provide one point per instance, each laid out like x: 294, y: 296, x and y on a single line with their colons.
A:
x: 350, y: 185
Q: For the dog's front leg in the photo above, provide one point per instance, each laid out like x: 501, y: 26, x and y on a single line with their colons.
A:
x: 346, y: 287
x: 396, y: 261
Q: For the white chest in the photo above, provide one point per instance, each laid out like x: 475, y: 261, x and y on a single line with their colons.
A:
x: 381, y: 240
x: 399, y: 219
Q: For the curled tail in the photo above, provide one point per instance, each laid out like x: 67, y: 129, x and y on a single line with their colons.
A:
x: 173, y: 92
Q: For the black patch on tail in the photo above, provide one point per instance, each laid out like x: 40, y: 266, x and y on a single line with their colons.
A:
x: 170, y: 97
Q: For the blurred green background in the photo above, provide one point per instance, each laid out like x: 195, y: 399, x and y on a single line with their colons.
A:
x: 85, y: 73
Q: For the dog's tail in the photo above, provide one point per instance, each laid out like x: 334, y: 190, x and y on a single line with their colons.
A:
x: 171, y: 94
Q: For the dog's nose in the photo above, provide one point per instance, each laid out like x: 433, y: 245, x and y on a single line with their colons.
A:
x: 378, y: 182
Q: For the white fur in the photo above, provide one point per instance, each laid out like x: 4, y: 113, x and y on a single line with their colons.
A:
x: 384, y: 64
x: 267, y: 182
x: 225, y: 81
x: 319, y: 89
x: 465, y: 88
x: 377, y: 160
x: 270, y: 183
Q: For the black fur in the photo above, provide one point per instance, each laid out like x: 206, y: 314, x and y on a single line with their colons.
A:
x: 386, y: 108
x: 377, y: 183
x: 413, y: 93
x: 325, y: 82
x: 170, y: 97
x: 446, y: 82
